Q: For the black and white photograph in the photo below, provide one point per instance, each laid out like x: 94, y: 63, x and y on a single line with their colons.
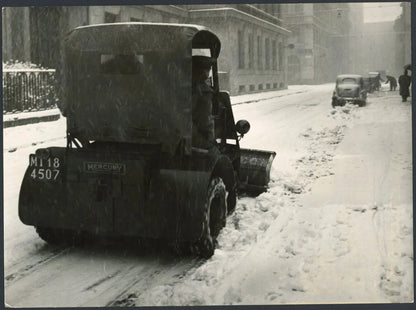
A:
x: 207, y: 153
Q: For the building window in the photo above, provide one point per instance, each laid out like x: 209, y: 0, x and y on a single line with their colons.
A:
x: 260, y: 86
x: 259, y: 53
x: 268, y: 86
x: 278, y: 11
x: 241, y: 54
x: 134, y: 19
x: 110, y: 17
x: 274, y: 55
x: 275, y: 85
x: 241, y: 88
x: 250, y: 51
x: 267, y: 54
x: 252, y: 87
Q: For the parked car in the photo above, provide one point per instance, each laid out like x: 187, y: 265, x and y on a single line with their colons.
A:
x: 349, y: 88
x: 368, y: 84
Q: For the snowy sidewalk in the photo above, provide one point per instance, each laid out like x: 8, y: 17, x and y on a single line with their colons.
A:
x: 248, y: 98
x: 24, y: 118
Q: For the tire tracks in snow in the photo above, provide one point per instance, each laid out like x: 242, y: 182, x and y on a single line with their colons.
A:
x: 136, y: 289
x: 246, y: 232
x: 387, y: 218
x: 393, y: 271
x: 321, y: 149
x: 93, y: 276
x: 31, y: 267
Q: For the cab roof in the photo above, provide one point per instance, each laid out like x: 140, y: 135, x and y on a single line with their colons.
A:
x: 142, y: 35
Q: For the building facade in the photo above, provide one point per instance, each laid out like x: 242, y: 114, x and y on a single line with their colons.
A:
x: 378, y: 51
x: 320, y: 41
x: 253, y: 57
x: 356, y: 17
x: 403, y: 47
x: 253, y: 54
x: 381, y: 46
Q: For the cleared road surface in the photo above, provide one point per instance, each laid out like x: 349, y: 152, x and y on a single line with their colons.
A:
x: 335, y: 225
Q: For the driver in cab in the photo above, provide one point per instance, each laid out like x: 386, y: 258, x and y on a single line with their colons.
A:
x: 202, y: 97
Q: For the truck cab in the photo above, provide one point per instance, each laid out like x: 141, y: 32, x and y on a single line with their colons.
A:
x: 130, y: 168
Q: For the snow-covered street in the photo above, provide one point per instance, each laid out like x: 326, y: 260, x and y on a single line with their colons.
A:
x: 335, y: 226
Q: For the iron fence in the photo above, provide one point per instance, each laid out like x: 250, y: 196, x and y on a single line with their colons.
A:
x: 28, y: 90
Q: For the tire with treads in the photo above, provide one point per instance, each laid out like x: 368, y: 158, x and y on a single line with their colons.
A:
x: 214, y: 219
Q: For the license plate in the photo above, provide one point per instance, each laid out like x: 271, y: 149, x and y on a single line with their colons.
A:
x: 45, y: 169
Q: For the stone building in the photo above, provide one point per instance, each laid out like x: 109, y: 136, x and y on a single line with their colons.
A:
x: 378, y: 50
x: 253, y: 56
x: 382, y: 45
x: 356, y: 17
x: 403, y: 47
x: 320, y: 41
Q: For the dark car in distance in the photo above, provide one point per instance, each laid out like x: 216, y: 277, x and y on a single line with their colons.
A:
x: 349, y: 88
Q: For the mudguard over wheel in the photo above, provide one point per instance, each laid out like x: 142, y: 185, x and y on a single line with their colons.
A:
x: 215, y: 218
x: 57, y: 236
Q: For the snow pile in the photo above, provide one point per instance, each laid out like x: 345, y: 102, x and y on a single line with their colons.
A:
x: 18, y: 65
x: 335, y: 225
x: 256, y: 97
x: 245, y: 226
x: 285, y: 246
x: 16, y: 137
x: 255, y: 240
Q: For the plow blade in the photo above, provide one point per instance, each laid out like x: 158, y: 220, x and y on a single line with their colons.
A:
x: 255, y: 170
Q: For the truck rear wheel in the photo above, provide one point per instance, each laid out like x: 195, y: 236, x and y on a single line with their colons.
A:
x: 57, y: 236
x: 215, y: 218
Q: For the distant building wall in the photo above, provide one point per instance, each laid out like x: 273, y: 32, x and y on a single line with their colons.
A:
x: 320, y: 41
x: 252, y: 50
x: 355, y: 47
x: 403, y: 47
x: 34, y: 34
x: 15, y: 32
x: 407, y: 33
x: 253, y: 40
x: 378, y: 48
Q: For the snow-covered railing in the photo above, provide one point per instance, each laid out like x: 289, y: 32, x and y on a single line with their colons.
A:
x: 28, y: 90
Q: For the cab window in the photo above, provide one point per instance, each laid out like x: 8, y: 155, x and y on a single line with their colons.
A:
x: 349, y: 81
x: 121, y: 64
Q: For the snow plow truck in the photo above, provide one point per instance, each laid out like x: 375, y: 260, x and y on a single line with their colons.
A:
x: 129, y: 168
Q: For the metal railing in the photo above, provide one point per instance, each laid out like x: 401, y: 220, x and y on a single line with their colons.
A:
x: 27, y: 90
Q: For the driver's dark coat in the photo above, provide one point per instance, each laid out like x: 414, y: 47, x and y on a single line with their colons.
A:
x: 202, y: 122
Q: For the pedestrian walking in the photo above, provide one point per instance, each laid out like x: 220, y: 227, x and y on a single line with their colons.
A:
x: 393, y: 82
x: 404, y: 82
